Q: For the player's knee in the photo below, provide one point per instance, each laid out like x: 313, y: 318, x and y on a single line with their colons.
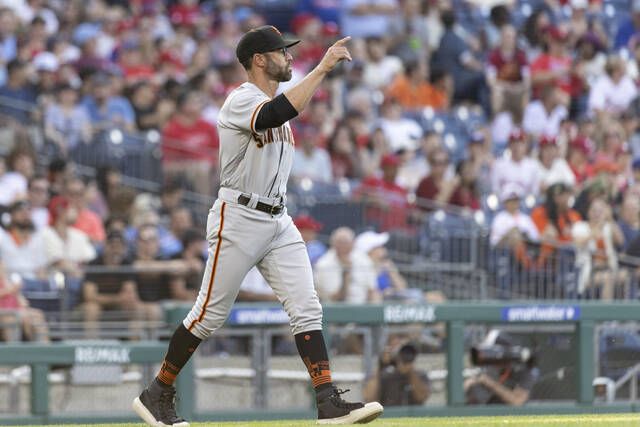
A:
x: 307, y: 319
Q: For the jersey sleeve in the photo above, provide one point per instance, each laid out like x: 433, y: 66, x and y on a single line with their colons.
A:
x: 242, y: 110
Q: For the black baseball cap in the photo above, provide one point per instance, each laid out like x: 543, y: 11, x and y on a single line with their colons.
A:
x: 260, y: 40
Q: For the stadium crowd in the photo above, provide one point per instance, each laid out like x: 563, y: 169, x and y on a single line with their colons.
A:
x: 524, y: 112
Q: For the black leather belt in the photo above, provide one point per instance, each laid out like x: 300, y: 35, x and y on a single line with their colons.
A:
x: 263, y: 207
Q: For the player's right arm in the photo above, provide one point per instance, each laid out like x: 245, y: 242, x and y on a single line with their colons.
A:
x: 300, y: 94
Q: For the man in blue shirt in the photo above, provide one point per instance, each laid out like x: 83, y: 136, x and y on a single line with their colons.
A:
x: 17, y: 97
x: 106, y: 110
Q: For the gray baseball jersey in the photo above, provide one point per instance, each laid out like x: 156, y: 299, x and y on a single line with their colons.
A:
x: 252, y: 161
x: 241, y: 237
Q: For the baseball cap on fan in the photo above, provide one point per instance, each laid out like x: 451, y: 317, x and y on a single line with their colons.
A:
x: 261, y: 40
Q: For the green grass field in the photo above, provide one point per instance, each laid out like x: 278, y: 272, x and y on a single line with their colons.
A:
x: 609, y: 420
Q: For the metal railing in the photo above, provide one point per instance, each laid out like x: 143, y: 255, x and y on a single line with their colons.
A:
x: 581, y: 318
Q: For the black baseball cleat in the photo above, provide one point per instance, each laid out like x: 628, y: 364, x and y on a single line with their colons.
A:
x: 333, y: 409
x: 156, y: 406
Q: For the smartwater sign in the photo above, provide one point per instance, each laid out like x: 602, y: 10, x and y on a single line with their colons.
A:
x: 409, y: 313
x: 258, y: 316
x: 541, y: 313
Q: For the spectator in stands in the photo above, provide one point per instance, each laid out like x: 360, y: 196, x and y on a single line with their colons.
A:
x: 66, y: 122
x: 397, y: 381
x: 58, y: 172
x: 629, y: 218
x: 194, y: 256
x: 113, y: 290
x: 117, y: 197
x: 434, y: 190
x: 367, y: 18
x: 613, y: 91
x: 401, y: 133
x: 190, y: 144
x: 466, y: 194
x: 508, y: 74
x: 455, y: 56
x: 555, y: 218
x: 414, y: 91
x: 310, y: 160
x: 370, y: 150
x: 171, y: 198
x: 14, y: 183
x: 151, y: 109
x: 342, y: 150
x: 390, y: 282
x: 543, y: 116
x: 606, y: 238
x: 23, y: 250
x: 386, y: 202
x: 31, y: 321
x: 518, y: 168
x: 590, y: 57
x: 345, y: 275
x: 106, y: 109
x: 579, y: 155
x: 380, y: 68
x: 481, y: 159
x: 511, y: 227
x: 309, y: 229
x: 553, y: 168
x: 553, y: 67
x: 181, y: 220
x: 254, y: 288
x: 38, y: 198
x: 409, y: 30
x: 87, y: 221
x: 628, y: 30
x: 17, y: 98
x: 8, y: 40
x: 67, y: 248
x: 158, y: 279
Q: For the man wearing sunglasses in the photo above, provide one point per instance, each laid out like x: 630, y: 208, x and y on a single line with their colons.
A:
x: 249, y: 226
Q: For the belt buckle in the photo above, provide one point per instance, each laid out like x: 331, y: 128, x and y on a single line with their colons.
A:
x: 273, y: 209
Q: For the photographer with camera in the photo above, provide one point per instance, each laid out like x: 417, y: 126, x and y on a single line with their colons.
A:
x: 397, y: 382
x: 508, y: 372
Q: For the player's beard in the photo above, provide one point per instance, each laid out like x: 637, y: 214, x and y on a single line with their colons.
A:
x: 277, y: 72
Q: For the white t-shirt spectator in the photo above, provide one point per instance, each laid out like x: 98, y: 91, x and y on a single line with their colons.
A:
x: 14, y: 185
x: 25, y: 259
x: 559, y: 172
x: 537, y: 121
x: 317, y: 166
x: 379, y: 74
x: 76, y: 248
x: 504, y: 222
x: 328, y: 277
x: 401, y: 134
x: 525, y: 173
x: 605, y: 95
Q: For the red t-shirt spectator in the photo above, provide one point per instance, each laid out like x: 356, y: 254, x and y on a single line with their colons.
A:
x: 90, y: 223
x: 508, y: 69
x: 547, y: 62
x: 389, y: 205
x: 182, y: 141
x: 465, y: 197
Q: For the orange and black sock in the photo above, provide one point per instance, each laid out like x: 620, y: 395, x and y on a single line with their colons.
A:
x: 313, y: 352
x: 182, y: 345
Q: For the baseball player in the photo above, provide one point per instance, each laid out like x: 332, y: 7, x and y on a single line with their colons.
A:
x: 248, y: 226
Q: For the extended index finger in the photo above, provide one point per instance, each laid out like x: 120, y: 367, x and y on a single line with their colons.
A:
x: 343, y: 41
